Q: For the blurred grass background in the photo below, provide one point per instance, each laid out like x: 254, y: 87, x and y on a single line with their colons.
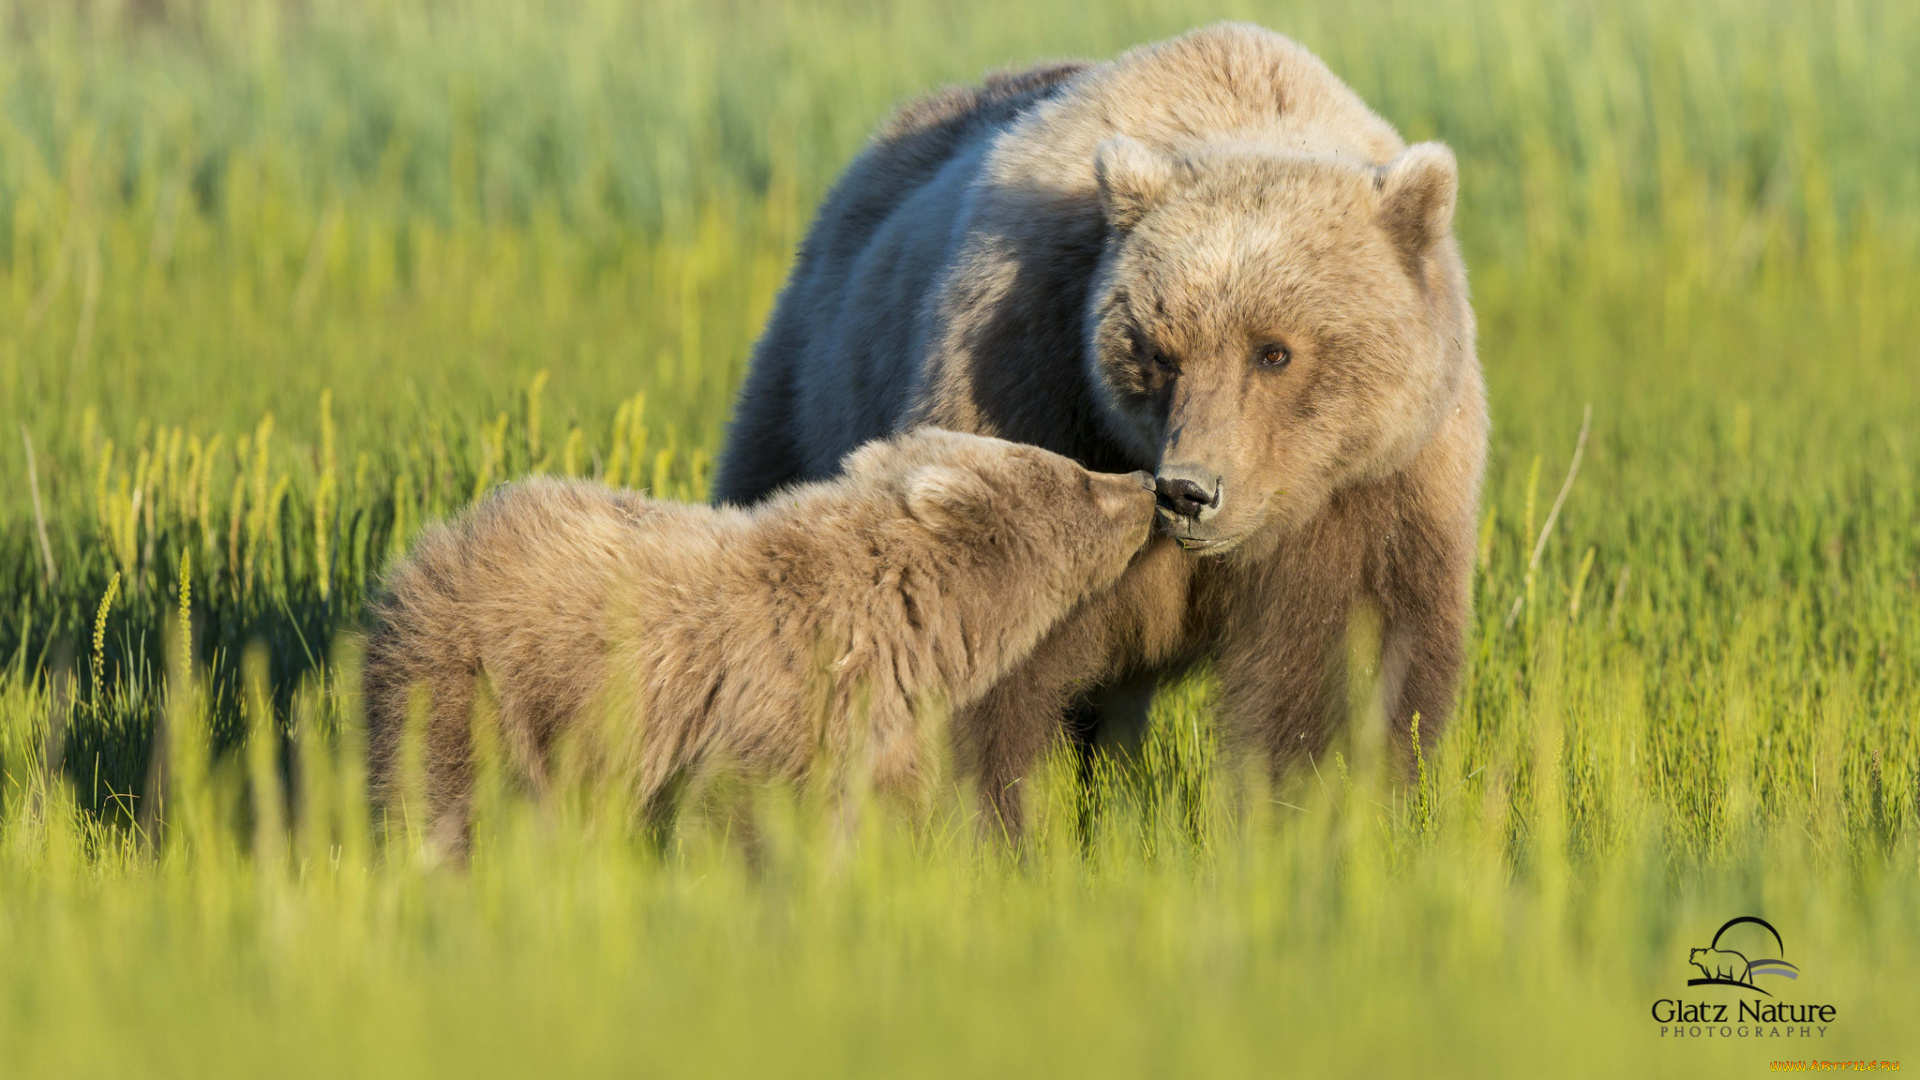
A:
x: 280, y: 282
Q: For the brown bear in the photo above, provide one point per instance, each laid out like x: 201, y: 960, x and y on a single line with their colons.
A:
x: 1207, y: 258
x: 759, y: 637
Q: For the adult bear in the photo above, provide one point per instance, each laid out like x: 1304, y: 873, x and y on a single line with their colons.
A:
x: 1207, y: 258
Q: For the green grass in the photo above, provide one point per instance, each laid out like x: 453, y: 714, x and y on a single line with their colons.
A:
x: 281, y: 283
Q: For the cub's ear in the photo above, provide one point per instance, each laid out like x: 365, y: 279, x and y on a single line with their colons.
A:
x: 1131, y: 178
x: 869, y: 459
x: 949, y: 500
x: 1416, y: 197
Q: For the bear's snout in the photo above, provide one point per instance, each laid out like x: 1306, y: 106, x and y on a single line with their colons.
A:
x: 1189, y: 492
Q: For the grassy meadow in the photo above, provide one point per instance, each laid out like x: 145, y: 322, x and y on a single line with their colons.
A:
x: 281, y: 282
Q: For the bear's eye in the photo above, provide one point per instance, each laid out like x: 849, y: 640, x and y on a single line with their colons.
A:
x: 1275, y: 355
x: 1163, y: 362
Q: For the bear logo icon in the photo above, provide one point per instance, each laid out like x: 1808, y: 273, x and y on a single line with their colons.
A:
x: 1721, y: 964
x: 1724, y: 967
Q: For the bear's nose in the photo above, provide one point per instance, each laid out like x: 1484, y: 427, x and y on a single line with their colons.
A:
x: 1183, y: 494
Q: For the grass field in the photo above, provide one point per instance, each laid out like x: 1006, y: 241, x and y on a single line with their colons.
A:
x: 279, y: 283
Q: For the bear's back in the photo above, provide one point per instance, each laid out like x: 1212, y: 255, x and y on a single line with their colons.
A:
x: 919, y: 140
x: 1221, y: 85
x: 832, y: 368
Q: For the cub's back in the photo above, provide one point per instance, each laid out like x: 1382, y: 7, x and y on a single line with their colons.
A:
x: 515, y: 588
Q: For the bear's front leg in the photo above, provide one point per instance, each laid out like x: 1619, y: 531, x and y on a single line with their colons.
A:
x: 1423, y: 589
x: 1424, y: 648
x: 1378, y: 571
x: 1282, y: 662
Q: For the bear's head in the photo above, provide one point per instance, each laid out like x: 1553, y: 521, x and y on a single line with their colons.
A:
x: 1268, y: 327
x: 1694, y: 956
x: 1005, y: 507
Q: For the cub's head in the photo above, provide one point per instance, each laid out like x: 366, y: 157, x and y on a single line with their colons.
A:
x: 1015, y: 508
x: 1269, y: 327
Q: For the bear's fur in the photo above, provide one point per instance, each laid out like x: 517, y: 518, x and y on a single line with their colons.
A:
x: 1209, y: 258
x: 828, y: 620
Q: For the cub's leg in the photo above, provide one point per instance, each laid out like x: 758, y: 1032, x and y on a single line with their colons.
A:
x: 440, y: 806
x: 1140, y: 625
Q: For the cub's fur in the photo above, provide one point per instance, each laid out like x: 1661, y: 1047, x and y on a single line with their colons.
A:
x: 830, y: 618
x: 1206, y: 257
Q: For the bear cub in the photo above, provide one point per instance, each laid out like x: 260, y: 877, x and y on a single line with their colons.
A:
x: 831, y: 622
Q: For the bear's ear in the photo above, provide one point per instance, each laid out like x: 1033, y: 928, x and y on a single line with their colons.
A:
x: 1131, y: 178
x: 949, y: 500
x: 1416, y: 197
